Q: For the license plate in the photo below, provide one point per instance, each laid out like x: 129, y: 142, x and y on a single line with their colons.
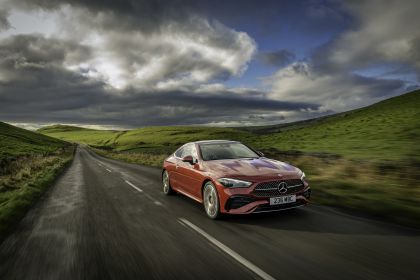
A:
x: 282, y: 199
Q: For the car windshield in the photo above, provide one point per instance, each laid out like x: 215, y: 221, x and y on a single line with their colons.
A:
x: 215, y: 151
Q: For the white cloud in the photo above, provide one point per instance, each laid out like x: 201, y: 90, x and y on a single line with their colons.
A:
x: 147, y: 52
x: 339, y: 91
x: 175, y: 55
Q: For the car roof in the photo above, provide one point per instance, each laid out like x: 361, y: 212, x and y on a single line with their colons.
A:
x: 214, y: 141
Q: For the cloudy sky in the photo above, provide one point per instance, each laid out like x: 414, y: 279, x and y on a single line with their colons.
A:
x: 134, y: 63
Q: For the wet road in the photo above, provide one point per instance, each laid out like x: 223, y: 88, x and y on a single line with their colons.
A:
x: 105, y: 219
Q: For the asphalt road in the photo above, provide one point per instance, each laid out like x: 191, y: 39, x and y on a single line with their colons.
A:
x: 105, y: 219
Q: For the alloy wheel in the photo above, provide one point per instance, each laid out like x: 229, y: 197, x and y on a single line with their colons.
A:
x: 166, y: 183
x: 211, y: 200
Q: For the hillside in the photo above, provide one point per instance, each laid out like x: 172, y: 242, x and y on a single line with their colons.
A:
x: 150, y: 139
x: 15, y: 141
x: 81, y: 135
x: 29, y: 163
x: 387, y: 130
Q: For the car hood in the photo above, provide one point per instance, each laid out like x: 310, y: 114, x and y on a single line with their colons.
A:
x: 249, y: 168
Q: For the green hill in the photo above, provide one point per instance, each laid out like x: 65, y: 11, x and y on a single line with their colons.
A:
x: 388, y: 130
x: 15, y: 141
x: 80, y: 134
x: 149, y: 139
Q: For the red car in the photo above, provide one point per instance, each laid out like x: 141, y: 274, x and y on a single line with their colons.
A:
x: 229, y: 177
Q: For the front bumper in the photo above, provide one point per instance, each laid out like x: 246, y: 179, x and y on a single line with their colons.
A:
x: 242, y: 201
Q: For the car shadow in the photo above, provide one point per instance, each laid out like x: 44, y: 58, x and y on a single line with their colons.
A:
x: 311, y: 218
x: 314, y: 218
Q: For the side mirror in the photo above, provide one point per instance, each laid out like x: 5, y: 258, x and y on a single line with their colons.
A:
x: 188, y: 159
x: 261, y: 154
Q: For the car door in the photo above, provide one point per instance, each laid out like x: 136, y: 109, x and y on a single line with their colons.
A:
x: 173, y: 173
x: 188, y: 173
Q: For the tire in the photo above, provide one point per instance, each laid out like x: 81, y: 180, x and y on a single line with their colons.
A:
x: 167, y: 189
x: 211, y: 201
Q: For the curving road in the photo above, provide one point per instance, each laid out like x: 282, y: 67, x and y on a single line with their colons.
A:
x: 105, y: 219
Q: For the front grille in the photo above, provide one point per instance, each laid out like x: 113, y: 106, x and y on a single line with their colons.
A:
x: 271, y: 189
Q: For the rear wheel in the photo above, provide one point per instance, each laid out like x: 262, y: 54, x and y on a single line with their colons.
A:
x: 211, y: 201
x: 166, y: 183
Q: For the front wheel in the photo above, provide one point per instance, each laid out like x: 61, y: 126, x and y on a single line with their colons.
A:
x: 211, y: 201
x: 166, y: 183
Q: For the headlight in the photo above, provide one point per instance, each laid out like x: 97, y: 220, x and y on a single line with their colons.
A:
x: 233, y: 183
x: 303, y: 177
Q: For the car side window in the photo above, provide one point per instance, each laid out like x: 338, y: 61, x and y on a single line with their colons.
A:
x: 179, y: 152
x: 190, y: 150
x: 186, y: 151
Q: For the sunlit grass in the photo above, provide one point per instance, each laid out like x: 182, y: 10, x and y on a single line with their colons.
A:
x: 384, y: 189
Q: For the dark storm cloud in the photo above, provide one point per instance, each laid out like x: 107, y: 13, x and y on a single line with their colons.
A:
x: 93, y: 103
x: 4, y: 22
x: 149, y: 15
x: 380, y: 34
x: 160, y: 62
x: 37, y: 86
x: 37, y: 50
x: 277, y: 58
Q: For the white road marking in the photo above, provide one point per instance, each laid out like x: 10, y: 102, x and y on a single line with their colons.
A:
x: 108, y: 170
x: 228, y: 251
x: 158, y: 203
x: 132, y: 185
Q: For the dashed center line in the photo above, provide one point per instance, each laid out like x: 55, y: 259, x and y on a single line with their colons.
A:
x: 227, y: 250
x: 158, y: 203
x: 133, y: 186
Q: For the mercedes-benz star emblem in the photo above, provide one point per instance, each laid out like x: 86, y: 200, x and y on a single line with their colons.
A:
x: 282, y: 187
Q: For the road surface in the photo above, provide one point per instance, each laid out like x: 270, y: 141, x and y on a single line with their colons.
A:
x: 105, y: 219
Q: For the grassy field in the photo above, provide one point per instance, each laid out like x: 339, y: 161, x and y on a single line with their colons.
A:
x: 160, y: 139
x: 29, y: 162
x: 16, y: 142
x: 389, y: 130
x: 367, y: 159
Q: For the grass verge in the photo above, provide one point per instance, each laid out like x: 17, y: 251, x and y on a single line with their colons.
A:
x: 23, y: 180
x: 388, y: 189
